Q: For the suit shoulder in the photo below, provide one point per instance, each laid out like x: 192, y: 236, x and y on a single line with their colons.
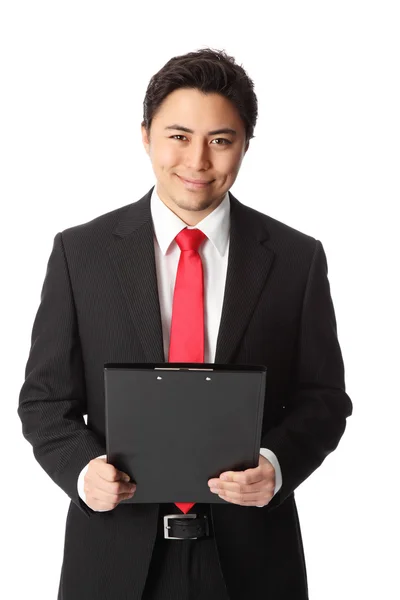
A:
x: 99, y: 227
x: 282, y: 231
x: 290, y: 233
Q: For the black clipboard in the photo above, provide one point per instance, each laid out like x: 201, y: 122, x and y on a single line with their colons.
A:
x: 173, y: 426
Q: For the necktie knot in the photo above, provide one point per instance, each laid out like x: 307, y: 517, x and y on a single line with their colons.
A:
x: 190, y: 239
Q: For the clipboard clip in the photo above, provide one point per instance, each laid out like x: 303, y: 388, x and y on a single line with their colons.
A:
x: 180, y: 369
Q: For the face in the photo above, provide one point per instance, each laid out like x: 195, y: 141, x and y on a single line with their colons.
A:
x: 187, y: 143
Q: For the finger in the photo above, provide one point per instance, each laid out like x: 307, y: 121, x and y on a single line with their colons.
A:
x: 224, y: 477
x: 95, y: 481
x: 108, y: 472
x: 242, y: 499
x: 112, y: 488
x: 109, y: 499
x: 106, y: 505
x: 237, y: 488
x: 247, y: 477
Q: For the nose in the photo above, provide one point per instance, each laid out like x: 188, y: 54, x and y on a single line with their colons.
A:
x: 197, y: 157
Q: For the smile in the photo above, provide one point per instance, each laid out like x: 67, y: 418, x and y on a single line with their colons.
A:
x: 193, y: 184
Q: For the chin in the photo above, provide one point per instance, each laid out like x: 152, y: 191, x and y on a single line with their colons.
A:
x: 194, y: 204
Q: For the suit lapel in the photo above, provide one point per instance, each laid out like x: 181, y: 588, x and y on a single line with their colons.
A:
x: 132, y: 253
x: 249, y: 262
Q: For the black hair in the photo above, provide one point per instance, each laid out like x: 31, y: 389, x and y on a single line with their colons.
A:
x: 209, y: 71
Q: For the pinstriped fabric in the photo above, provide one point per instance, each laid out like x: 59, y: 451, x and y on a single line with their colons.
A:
x: 99, y: 303
x: 184, y: 569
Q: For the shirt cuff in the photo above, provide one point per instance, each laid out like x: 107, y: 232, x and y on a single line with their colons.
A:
x: 269, y: 455
x: 81, y: 483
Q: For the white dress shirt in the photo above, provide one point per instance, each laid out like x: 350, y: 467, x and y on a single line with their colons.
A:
x: 214, y: 253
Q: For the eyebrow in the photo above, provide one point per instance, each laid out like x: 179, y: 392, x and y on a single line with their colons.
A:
x: 187, y: 130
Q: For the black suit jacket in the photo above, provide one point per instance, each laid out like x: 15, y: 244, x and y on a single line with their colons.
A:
x: 99, y: 303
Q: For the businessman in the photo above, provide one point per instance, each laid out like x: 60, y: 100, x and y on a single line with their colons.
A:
x: 187, y: 273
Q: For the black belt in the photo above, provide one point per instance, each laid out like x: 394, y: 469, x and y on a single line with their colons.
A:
x: 175, y: 525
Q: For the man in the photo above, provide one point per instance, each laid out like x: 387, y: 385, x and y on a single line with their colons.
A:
x: 251, y: 291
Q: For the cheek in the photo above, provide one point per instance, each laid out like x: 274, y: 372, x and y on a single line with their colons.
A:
x: 167, y: 157
x: 229, y: 164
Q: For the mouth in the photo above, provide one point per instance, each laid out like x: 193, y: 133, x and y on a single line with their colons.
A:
x: 195, y: 183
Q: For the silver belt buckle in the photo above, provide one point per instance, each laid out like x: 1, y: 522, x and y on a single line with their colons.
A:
x: 167, y: 527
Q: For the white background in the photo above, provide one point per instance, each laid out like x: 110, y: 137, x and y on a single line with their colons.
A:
x: 325, y: 160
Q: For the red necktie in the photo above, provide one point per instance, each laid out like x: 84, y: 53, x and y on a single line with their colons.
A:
x: 187, y: 325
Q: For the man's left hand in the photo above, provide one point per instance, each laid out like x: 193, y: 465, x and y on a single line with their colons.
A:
x: 253, y: 487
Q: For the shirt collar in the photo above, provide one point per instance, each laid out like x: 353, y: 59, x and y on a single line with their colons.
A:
x: 167, y: 224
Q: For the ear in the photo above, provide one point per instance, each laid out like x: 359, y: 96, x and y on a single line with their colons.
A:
x: 145, y: 139
x: 247, y: 146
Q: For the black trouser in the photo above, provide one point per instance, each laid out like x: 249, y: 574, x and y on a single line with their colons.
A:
x: 184, y: 569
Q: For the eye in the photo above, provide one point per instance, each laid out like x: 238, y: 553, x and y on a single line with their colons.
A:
x: 222, y: 140
x: 226, y: 142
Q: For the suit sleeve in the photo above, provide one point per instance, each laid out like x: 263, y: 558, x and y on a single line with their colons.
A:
x: 52, y: 400
x: 316, y: 411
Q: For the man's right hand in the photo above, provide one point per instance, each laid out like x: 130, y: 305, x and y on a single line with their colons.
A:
x: 105, y: 486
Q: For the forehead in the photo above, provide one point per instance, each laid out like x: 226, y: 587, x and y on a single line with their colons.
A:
x: 197, y: 110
